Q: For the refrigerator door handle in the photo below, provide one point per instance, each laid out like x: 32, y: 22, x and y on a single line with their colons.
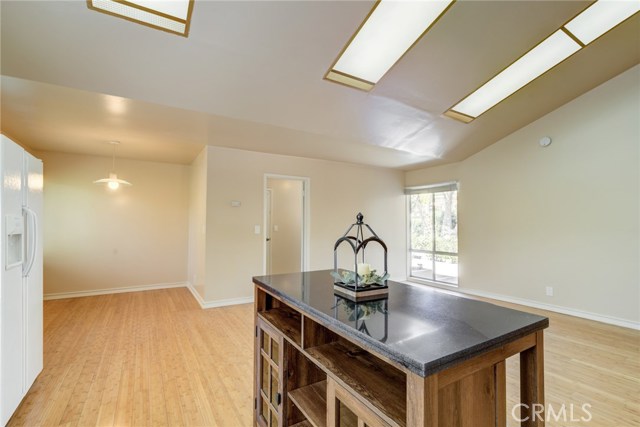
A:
x: 32, y: 234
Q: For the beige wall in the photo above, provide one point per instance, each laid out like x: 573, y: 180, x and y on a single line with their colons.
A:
x: 565, y: 216
x: 286, y: 225
x: 198, y: 222
x: 97, y: 239
x: 337, y: 192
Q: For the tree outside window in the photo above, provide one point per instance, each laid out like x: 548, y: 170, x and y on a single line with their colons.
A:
x: 433, y: 238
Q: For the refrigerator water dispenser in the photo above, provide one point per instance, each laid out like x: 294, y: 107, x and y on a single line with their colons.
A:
x: 14, y: 226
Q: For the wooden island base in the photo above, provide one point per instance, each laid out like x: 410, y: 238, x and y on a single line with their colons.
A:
x: 309, y: 373
x: 473, y: 393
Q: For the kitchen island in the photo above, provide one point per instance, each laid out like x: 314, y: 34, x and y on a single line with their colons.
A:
x: 420, y: 357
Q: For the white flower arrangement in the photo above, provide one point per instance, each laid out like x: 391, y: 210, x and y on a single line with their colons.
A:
x: 366, y: 276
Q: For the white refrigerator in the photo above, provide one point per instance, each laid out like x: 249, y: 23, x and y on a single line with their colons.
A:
x: 21, y: 342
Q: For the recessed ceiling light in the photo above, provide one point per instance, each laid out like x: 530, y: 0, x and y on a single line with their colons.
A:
x: 389, y: 31
x: 553, y: 50
x: 600, y: 17
x: 173, y: 16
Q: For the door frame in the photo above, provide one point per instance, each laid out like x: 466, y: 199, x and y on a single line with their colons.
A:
x: 306, y: 217
x: 268, y: 224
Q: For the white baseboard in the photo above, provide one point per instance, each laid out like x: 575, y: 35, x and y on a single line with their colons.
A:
x: 218, y: 303
x: 204, y: 304
x: 555, y: 308
x: 77, y: 294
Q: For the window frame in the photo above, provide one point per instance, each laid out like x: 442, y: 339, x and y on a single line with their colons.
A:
x: 453, y: 186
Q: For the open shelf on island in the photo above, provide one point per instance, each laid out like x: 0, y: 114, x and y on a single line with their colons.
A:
x: 312, y: 402
x: 379, y: 383
x: 286, y: 320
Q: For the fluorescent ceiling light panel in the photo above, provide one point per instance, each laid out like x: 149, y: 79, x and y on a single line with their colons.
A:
x: 176, y: 8
x: 600, y: 17
x: 173, y: 16
x: 541, y: 58
x: 390, y: 30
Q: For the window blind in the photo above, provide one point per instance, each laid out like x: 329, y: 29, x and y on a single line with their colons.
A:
x: 434, y: 188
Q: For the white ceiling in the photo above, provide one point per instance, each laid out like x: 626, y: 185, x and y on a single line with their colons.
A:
x: 250, y: 76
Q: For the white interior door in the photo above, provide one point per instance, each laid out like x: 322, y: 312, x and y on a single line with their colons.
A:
x: 286, y: 224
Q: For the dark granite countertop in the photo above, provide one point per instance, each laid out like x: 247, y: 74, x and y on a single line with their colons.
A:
x: 422, y: 328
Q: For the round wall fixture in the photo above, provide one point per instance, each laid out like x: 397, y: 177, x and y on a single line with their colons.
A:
x: 545, y: 141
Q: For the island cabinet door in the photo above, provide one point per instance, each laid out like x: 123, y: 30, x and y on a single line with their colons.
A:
x: 269, y: 376
x: 346, y: 410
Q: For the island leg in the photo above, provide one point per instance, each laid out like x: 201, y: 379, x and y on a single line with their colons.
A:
x: 532, y: 384
x: 422, y: 400
x: 500, y: 375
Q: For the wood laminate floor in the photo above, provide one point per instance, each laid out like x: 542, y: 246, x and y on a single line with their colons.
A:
x: 155, y: 358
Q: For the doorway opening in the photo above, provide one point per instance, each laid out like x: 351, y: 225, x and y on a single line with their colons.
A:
x: 286, y: 224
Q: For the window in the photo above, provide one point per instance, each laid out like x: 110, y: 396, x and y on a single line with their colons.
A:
x: 433, y: 233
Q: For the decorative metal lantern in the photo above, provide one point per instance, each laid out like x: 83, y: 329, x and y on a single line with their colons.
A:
x: 362, y: 282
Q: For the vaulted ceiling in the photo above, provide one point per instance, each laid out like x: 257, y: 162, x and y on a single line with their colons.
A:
x: 250, y: 73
